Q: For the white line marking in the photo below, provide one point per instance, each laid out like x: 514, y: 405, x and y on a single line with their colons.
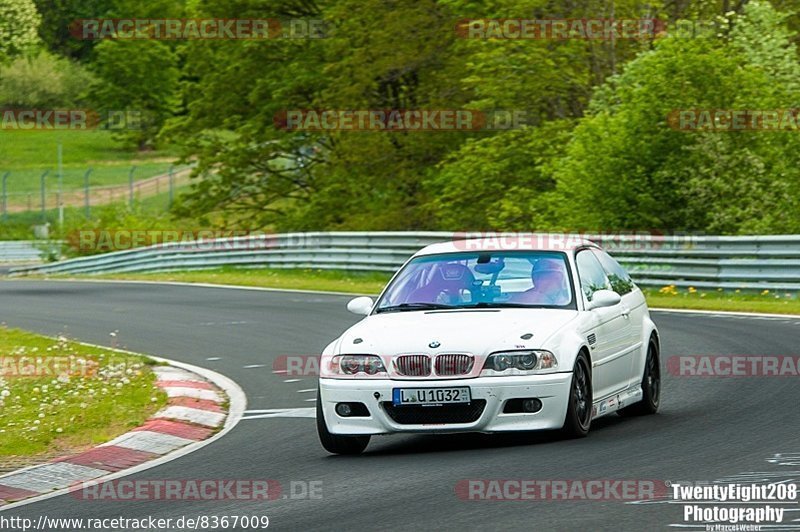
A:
x: 726, y: 313
x: 292, y: 380
x: 251, y: 366
x: 199, y: 285
x: 286, y: 413
x: 307, y: 390
x: 212, y: 359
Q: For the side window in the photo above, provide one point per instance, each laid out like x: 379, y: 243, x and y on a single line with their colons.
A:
x: 591, y: 273
x: 620, y: 281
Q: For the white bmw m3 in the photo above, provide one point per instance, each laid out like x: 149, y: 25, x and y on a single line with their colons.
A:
x: 466, y: 338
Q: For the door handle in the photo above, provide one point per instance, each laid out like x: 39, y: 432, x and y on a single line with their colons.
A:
x: 626, y: 313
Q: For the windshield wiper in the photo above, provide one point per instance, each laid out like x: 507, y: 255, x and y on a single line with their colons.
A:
x: 414, y: 306
x: 499, y: 304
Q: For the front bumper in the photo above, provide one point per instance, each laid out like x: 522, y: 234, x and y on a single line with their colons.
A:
x: 552, y: 390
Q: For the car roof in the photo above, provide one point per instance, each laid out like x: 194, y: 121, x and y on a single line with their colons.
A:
x: 510, y: 242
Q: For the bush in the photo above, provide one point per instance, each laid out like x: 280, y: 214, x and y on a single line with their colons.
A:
x: 116, y: 218
x: 44, y: 81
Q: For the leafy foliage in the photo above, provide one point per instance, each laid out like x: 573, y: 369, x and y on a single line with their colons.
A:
x: 138, y: 76
x: 19, y: 22
x: 595, y: 151
x: 44, y: 81
x: 626, y: 169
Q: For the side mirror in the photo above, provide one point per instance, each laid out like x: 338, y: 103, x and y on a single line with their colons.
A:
x: 604, y: 298
x: 360, y: 305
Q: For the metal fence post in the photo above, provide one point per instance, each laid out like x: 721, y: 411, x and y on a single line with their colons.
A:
x: 86, y: 193
x: 44, y: 206
x: 171, y: 185
x: 130, y: 185
x: 5, y: 196
x: 59, y: 197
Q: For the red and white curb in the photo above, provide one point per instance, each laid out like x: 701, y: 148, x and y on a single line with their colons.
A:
x: 193, y: 417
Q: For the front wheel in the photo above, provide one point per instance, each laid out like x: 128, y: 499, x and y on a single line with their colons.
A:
x: 336, y: 443
x: 579, y: 409
x: 651, y: 385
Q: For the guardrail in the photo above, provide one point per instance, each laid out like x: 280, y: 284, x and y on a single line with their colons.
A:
x: 21, y: 251
x: 711, y: 262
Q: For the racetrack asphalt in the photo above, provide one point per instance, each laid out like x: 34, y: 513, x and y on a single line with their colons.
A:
x: 707, y: 429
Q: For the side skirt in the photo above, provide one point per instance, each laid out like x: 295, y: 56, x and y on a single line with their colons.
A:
x: 615, y: 402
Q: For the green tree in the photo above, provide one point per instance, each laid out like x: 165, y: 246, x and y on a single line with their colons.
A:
x: 58, y: 17
x: 499, y: 182
x: 141, y: 77
x: 622, y: 167
x: 625, y: 168
x: 19, y: 22
x: 307, y: 180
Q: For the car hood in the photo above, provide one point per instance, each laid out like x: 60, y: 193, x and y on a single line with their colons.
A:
x: 468, y: 331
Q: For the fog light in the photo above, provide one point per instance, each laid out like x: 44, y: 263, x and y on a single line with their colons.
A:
x: 343, y: 409
x: 531, y: 405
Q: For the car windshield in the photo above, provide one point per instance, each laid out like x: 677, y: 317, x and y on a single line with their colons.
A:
x: 510, y: 279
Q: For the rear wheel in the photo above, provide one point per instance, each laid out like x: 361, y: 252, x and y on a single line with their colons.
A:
x: 651, y: 385
x: 336, y: 443
x: 579, y: 409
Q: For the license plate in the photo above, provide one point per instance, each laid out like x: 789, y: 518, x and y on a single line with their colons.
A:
x: 430, y: 396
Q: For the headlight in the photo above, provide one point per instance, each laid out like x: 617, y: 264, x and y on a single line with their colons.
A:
x: 520, y: 363
x: 369, y: 365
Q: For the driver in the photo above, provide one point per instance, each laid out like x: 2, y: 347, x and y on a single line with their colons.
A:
x: 550, y: 285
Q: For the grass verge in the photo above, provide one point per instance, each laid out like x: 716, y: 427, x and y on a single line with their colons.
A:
x: 766, y: 302
x: 26, y: 154
x: 372, y: 283
x: 58, y: 396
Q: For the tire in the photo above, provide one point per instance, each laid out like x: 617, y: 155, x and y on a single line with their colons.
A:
x: 336, y: 443
x: 579, y: 407
x: 651, y: 385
